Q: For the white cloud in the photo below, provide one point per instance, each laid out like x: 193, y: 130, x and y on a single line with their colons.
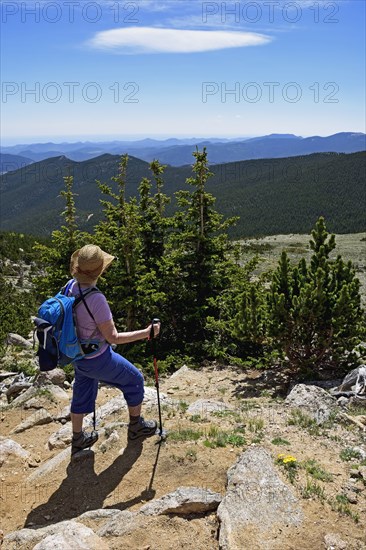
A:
x: 134, y: 40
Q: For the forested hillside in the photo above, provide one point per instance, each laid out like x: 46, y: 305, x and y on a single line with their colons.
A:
x: 271, y: 196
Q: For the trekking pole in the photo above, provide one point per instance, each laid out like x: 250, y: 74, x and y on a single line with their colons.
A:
x: 162, y: 433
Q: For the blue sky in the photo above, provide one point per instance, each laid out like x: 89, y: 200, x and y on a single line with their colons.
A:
x: 108, y: 70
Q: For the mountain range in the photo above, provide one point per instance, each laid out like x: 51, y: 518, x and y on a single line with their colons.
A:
x: 178, y: 152
x: 271, y: 196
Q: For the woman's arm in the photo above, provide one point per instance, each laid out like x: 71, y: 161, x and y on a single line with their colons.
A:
x: 112, y: 336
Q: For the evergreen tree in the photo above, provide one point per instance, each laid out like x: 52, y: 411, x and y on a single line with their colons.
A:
x: 119, y: 233
x: 55, y: 257
x: 315, y: 314
x: 16, y: 308
x: 198, y: 262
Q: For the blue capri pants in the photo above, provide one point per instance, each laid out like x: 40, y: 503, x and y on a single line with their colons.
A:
x: 110, y: 368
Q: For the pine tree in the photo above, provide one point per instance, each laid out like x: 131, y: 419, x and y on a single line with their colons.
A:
x: 315, y: 314
x: 55, y: 257
x: 198, y: 259
x: 119, y: 233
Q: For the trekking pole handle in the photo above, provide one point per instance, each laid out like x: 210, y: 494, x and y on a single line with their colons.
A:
x: 153, y: 322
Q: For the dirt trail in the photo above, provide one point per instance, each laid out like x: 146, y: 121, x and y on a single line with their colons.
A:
x: 195, y: 454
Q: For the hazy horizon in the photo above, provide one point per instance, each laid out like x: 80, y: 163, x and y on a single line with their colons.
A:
x: 137, y: 137
x: 188, y: 68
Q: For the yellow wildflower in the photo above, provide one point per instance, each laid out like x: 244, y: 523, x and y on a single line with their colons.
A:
x: 289, y: 459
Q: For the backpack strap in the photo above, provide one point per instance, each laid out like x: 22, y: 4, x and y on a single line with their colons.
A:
x: 82, y: 298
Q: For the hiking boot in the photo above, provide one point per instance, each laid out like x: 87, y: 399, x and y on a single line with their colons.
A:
x: 141, y: 428
x: 84, y: 441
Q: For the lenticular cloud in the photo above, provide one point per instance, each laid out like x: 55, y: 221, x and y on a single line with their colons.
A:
x: 134, y: 40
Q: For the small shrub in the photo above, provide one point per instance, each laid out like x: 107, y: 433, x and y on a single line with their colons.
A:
x: 255, y: 425
x: 348, y: 454
x: 280, y: 441
x: 313, y: 489
x: 186, y: 434
x: 298, y: 418
x: 341, y: 505
x: 316, y: 471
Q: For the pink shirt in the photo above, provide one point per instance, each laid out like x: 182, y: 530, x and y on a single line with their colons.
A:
x: 100, y: 309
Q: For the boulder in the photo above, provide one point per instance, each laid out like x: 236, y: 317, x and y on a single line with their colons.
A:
x: 33, y: 403
x: 119, y: 524
x: 315, y: 401
x: 47, y: 468
x: 183, y: 501
x: 61, y: 439
x: 6, y: 374
x: 112, y: 407
x: 57, y: 393
x: 16, y: 389
x: 17, y: 340
x: 151, y: 397
x: 101, y: 513
x: 10, y: 448
x: 256, y: 504
x: 56, y: 376
x: 204, y: 406
x: 60, y: 536
x: 349, y: 381
x: 36, y: 419
x: 22, y: 398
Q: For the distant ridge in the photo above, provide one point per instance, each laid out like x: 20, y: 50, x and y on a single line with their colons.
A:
x: 271, y: 196
x: 178, y: 152
x: 10, y: 162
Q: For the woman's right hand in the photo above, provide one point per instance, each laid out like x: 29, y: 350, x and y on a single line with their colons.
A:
x: 156, y: 329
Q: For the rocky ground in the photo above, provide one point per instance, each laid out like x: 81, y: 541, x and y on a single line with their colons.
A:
x: 227, y: 428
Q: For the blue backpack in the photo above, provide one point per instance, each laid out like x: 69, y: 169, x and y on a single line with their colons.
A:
x: 59, y: 344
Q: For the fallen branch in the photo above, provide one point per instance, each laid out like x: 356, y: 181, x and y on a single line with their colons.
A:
x: 355, y: 421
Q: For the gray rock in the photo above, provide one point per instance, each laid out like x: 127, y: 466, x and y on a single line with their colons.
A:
x: 4, y: 375
x: 204, y: 406
x: 60, y: 536
x: 16, y: 389
x: 350, y: 379
x: 9, y: 448
x: 28, y: 394
x: 64, y: 414
x: 317, y: 403
x: 119, y: 524
x: 183, y: 501
x: 117, y: 404
x: 57, y: 393
x: 56, y: 376
x: 36, y: 419
x: 48, y: 467
x: 102, y: 513
x: 256, y: 502
x: 333, y: 541
x: 343, y: 402
x: 109, y: 442
x: 112, y: 407
x: 180, y: 373
x: 151, y: 397
x: 61, y: 439
x: 33, y: 403
x: 17, y: 340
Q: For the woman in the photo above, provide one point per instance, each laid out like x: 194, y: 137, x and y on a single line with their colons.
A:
x: 96, y: 329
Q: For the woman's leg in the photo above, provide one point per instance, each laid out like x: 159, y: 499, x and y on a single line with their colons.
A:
x: 85, y: 391
x: 77, y: 422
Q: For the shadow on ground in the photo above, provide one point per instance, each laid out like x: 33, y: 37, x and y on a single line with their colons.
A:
x: 83, y: 490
